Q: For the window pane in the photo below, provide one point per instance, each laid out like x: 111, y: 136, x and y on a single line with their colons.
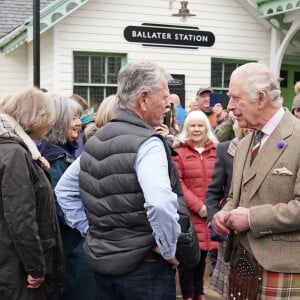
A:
x: 98, y: 69
x: 81, y: 69
x: 114, y: 65
x: 284, y: 79
x: 216, y: 74
x: 228, y: 68
x: 96, y: 96
x: 81, y: 91
x: 111, y: 90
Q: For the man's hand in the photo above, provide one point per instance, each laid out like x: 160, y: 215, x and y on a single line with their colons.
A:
x: 34, y: 283
x: 217, y: 109
x: 238, y: 219
x: 202, y: 211
x: 44, y: 163
x: 218, y: 223
x: 163, y: 130
x: 173, y: 261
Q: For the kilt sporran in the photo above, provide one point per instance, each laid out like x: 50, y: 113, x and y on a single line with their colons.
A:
x: 244, y: 275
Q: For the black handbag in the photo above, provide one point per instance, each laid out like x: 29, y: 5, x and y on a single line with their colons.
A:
x: 188, y: 252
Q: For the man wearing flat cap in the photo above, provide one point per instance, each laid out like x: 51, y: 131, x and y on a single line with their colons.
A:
x: 215, y: 114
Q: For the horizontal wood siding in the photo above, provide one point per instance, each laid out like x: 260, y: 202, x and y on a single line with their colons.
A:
x: 13, y: 71
x: 99, y: 24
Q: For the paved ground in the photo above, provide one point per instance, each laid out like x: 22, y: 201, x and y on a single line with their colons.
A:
x: 210, y: 294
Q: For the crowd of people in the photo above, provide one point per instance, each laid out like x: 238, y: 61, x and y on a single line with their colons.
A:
x: 96, y: 206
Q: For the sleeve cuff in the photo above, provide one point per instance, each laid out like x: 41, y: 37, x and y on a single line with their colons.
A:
x: 37, y: 273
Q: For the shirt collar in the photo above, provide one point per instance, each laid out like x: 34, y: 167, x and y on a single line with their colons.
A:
x: 273, y: 122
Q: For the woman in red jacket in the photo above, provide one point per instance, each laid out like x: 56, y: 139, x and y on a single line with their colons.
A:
x: 196, y: 149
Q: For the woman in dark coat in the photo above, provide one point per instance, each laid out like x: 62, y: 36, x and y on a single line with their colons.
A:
x: 31, y: 254
x: 58, y: 146
x: 196, y: 155
x: 216, y: 196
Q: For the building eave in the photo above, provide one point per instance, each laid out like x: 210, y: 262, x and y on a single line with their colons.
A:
x: 49, y: 16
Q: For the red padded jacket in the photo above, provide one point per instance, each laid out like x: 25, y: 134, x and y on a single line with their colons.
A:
x: 195, y: 172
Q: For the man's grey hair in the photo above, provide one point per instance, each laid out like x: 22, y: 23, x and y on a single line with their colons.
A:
x: 135, y: 77
x: 259, y: 77
x: 66, y: 108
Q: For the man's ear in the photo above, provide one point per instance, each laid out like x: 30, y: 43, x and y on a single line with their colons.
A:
x: 262, y: 99
x: 142, y: 98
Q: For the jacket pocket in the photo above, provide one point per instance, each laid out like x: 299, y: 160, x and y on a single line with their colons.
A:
x: 287, y: 237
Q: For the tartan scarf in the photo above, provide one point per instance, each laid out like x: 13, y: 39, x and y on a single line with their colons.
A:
x: 232, y: 146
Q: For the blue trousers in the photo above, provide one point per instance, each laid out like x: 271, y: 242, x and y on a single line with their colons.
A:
x: 150, y: 281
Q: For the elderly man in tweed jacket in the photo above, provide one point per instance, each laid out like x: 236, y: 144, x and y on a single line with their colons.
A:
x: 262, y: 213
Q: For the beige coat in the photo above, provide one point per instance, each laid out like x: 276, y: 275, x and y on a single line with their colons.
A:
x: 271, y: 188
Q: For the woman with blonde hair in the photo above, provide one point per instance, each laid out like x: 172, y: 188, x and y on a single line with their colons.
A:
x: 296, y: 101
x: 31, y: 253
x: 196, y: 154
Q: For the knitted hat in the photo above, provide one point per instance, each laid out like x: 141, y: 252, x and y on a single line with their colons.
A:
x: 296, y: 101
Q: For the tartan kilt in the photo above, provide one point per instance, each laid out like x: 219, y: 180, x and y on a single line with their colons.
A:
x: 278, y: 286
x: 219, y: 278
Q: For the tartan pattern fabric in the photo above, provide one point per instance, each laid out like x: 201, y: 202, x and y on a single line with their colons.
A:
x: 279, y: 286
x: 219, y: 279
x: 255, y: 144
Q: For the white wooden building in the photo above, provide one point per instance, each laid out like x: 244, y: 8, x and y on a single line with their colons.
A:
x: 83, y: 44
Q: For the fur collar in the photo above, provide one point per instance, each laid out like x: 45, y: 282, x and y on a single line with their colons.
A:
x: 10, y: 128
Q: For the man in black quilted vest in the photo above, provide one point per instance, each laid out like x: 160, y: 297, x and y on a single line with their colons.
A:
x: 127, y: 186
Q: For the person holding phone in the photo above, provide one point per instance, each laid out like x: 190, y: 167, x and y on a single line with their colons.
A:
x: 169, y: 129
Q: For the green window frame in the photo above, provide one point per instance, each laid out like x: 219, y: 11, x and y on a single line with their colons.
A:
x: 95, y: 75
x: 221, y: 70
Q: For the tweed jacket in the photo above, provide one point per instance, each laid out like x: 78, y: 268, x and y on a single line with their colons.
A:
x: 270, y: 187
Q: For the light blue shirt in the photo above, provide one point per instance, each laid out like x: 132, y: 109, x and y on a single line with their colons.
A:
x: 161, y: 203
x: 67, y: 192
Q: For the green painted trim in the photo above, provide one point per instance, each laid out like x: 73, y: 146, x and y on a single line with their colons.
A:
x: 49, y: 16
x: 274, y: 12
x: 229, y: 60
x: 122, y: 56
x: 225, y: 61
x: 58, y: 9
x: 291, y: 60
x: 288, y: 92
x: 14, y: 42
x: 277, y: 7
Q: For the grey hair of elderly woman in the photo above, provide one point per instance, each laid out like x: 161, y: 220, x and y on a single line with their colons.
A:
x: 144, y: 75
x: 259, y: 77
x: 66, y: 108
x: 32, y: 109
x: 196, y: 115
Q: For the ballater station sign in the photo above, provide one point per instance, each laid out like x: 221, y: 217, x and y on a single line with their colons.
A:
x: 169, y: 36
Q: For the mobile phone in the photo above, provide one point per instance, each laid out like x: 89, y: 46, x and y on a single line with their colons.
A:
x: 167, y: 118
